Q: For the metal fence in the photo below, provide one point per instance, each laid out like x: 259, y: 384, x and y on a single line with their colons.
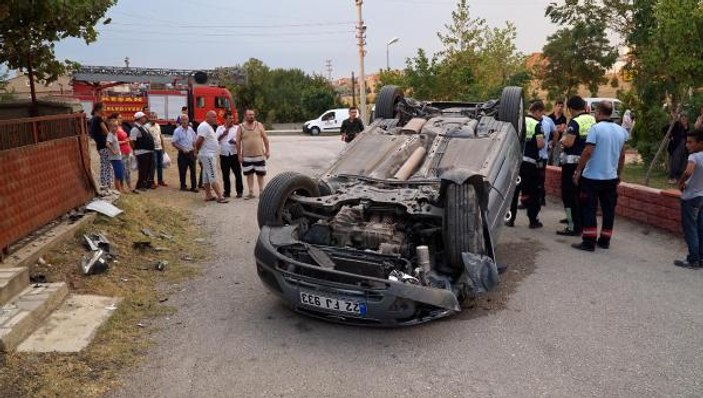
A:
x: 15, y: 133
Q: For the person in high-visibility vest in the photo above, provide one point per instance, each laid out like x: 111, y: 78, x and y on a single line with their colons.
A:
x: 528, y: 190
x: 573, y: 142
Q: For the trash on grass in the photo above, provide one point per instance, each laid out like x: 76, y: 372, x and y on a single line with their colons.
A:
x: 103, y: 207
x: 148, y: 232
x: 111, y: 307
x: 41, y: 261
x: 37, y: 278
x: 142, y: 245
x: 102, y: 253
x: 161, y: 265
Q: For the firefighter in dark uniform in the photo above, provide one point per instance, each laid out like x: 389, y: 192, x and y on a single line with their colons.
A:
x: 528, y: 189
x: 573, y: 142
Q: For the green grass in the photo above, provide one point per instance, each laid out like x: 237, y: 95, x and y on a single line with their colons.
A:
x: 635, y: 173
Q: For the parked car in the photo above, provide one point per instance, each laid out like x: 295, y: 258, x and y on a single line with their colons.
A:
x: 402, y: 227
x: 618, y: 111
x: 329, y: 122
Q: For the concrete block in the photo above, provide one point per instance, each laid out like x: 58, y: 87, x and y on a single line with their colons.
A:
x: 33, y: 305
x: 71, y: 327
x: 12, y: 282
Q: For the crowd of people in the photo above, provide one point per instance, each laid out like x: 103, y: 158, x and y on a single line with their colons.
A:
x: 590, y: 151
x: 221, y: 151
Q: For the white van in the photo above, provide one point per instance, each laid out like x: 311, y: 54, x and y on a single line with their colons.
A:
x: 330, y: 122
x: 592, y: 103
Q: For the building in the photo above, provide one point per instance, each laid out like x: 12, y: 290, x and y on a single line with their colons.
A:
x: 19, y: 87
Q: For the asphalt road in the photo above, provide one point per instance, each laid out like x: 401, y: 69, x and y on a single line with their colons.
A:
x: 618, y: 322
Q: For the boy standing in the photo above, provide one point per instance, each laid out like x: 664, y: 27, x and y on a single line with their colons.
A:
x: 691, y: 186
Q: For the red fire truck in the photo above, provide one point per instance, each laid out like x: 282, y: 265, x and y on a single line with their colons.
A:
x: 165, y: 91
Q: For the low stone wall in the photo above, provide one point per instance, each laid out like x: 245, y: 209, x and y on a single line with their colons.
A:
x: 655, y: 207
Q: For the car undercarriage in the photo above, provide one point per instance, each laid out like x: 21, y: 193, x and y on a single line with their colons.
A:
x: 401, y: 228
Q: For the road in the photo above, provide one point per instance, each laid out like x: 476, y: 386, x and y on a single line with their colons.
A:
x: 618, y: 322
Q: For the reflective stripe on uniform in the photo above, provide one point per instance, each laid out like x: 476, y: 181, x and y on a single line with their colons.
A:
x: 590, y: 232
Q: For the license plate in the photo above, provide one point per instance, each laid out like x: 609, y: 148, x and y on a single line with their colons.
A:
x: 332, y: 304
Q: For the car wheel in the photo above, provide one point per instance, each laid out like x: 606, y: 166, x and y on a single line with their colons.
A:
x: 324, y: 188
x: 512, y: 109
x: 462, y: 224
x: 315, y: 131
x: 387, y: 101
x: 275, y: 206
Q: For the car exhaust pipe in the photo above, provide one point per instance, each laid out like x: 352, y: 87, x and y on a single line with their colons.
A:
x: 411, y: 165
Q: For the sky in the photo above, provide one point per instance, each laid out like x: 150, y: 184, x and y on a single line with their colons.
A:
x: 195, y: 34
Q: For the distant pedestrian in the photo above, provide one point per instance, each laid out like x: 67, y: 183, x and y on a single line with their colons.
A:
x: 677, y: 147
x: 143, y: 144
x: 528, y: 189
x: 206, y: 147
x: 229, y: 161
x: 573, y: 142
x: 627, y: 121
x: 351, y: 126
x: 184, y: 111
x: 691, y: 185
x: 253, y: 150
x: 184, y: 141
x: 115, y: 156
x: 98, y: 132
x: 155, y: 130
x: 598, y: 175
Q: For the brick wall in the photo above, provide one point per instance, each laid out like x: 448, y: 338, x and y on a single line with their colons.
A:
x: 656, y: 207
x: 42, y: 181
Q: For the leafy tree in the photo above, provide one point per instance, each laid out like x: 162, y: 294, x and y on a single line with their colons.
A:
x: 29, y: 30
x: 577, y: 55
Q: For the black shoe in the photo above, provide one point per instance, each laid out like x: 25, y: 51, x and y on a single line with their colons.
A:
x: 239, y: 195
x: 568, y: 232
x: 184, y: 189
x: 603, y: 244
x: 194, y: 190
x: 510, y: 224
x: 684, y: 263
x: 563, y: 221
x: 584, y: 246
x: 536, y: 224
x: 226, y: 195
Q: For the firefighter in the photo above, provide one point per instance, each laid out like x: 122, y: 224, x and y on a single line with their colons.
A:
x: 598, y: 174
x: 528, y: 189
x: 573, y: 142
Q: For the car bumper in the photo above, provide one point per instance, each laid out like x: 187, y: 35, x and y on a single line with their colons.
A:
x: 386, y: 303
x: 306, y: 129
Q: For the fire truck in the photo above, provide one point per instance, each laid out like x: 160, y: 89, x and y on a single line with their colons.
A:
x: 126, y: 90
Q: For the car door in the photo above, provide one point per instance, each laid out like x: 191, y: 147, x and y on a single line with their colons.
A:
x: 328, y: 121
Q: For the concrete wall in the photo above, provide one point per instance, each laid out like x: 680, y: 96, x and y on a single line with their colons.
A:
x: 655, y: 207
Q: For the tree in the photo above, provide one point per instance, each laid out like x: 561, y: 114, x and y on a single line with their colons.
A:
x: 29, y: 30
x: 577, y: 55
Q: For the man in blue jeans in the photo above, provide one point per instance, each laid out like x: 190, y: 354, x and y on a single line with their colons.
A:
x: 691, y: 186
x: 597, y: 176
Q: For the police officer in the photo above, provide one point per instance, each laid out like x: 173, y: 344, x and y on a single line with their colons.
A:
x: 528, y: 190
x: 573, y: 142
x: 598, y: 175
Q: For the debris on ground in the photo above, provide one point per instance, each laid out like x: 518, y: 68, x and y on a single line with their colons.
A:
x: 142, y: 245
x: 41, y: 261
x: 104, y: 207
x: 166, y: 236
x: 200, y: 240
x: 101, y: 252
x: 37, y: 278
x: 161, y: 265
x: 148, y: 232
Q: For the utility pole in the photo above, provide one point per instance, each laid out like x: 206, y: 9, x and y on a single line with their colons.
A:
x: 353, y: 90
x: 361, y: 36
x: 328, y: 68
x: 126, y: 62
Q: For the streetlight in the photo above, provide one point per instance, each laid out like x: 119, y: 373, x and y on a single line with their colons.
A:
x: 388, y: 45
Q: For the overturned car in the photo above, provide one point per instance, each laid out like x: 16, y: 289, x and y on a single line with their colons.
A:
x: 401, y: 228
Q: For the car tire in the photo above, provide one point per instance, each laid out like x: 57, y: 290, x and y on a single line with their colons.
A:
x: 315, y: 131
x: 387, y: 101
x: 274, y: 204
x: 512, y: 109
x: 462, y: 228
x: 324, y: 188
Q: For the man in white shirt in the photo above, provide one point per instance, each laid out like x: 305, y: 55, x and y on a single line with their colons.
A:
x: 229, y: 162
x: 184, y: 142
x: 206, y: 146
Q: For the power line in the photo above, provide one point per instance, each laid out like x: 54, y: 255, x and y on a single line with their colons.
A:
x: 180, y: 26
x: 174, y: 33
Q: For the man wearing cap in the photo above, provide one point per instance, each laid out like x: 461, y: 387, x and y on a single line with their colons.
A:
x: 143, y: 144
